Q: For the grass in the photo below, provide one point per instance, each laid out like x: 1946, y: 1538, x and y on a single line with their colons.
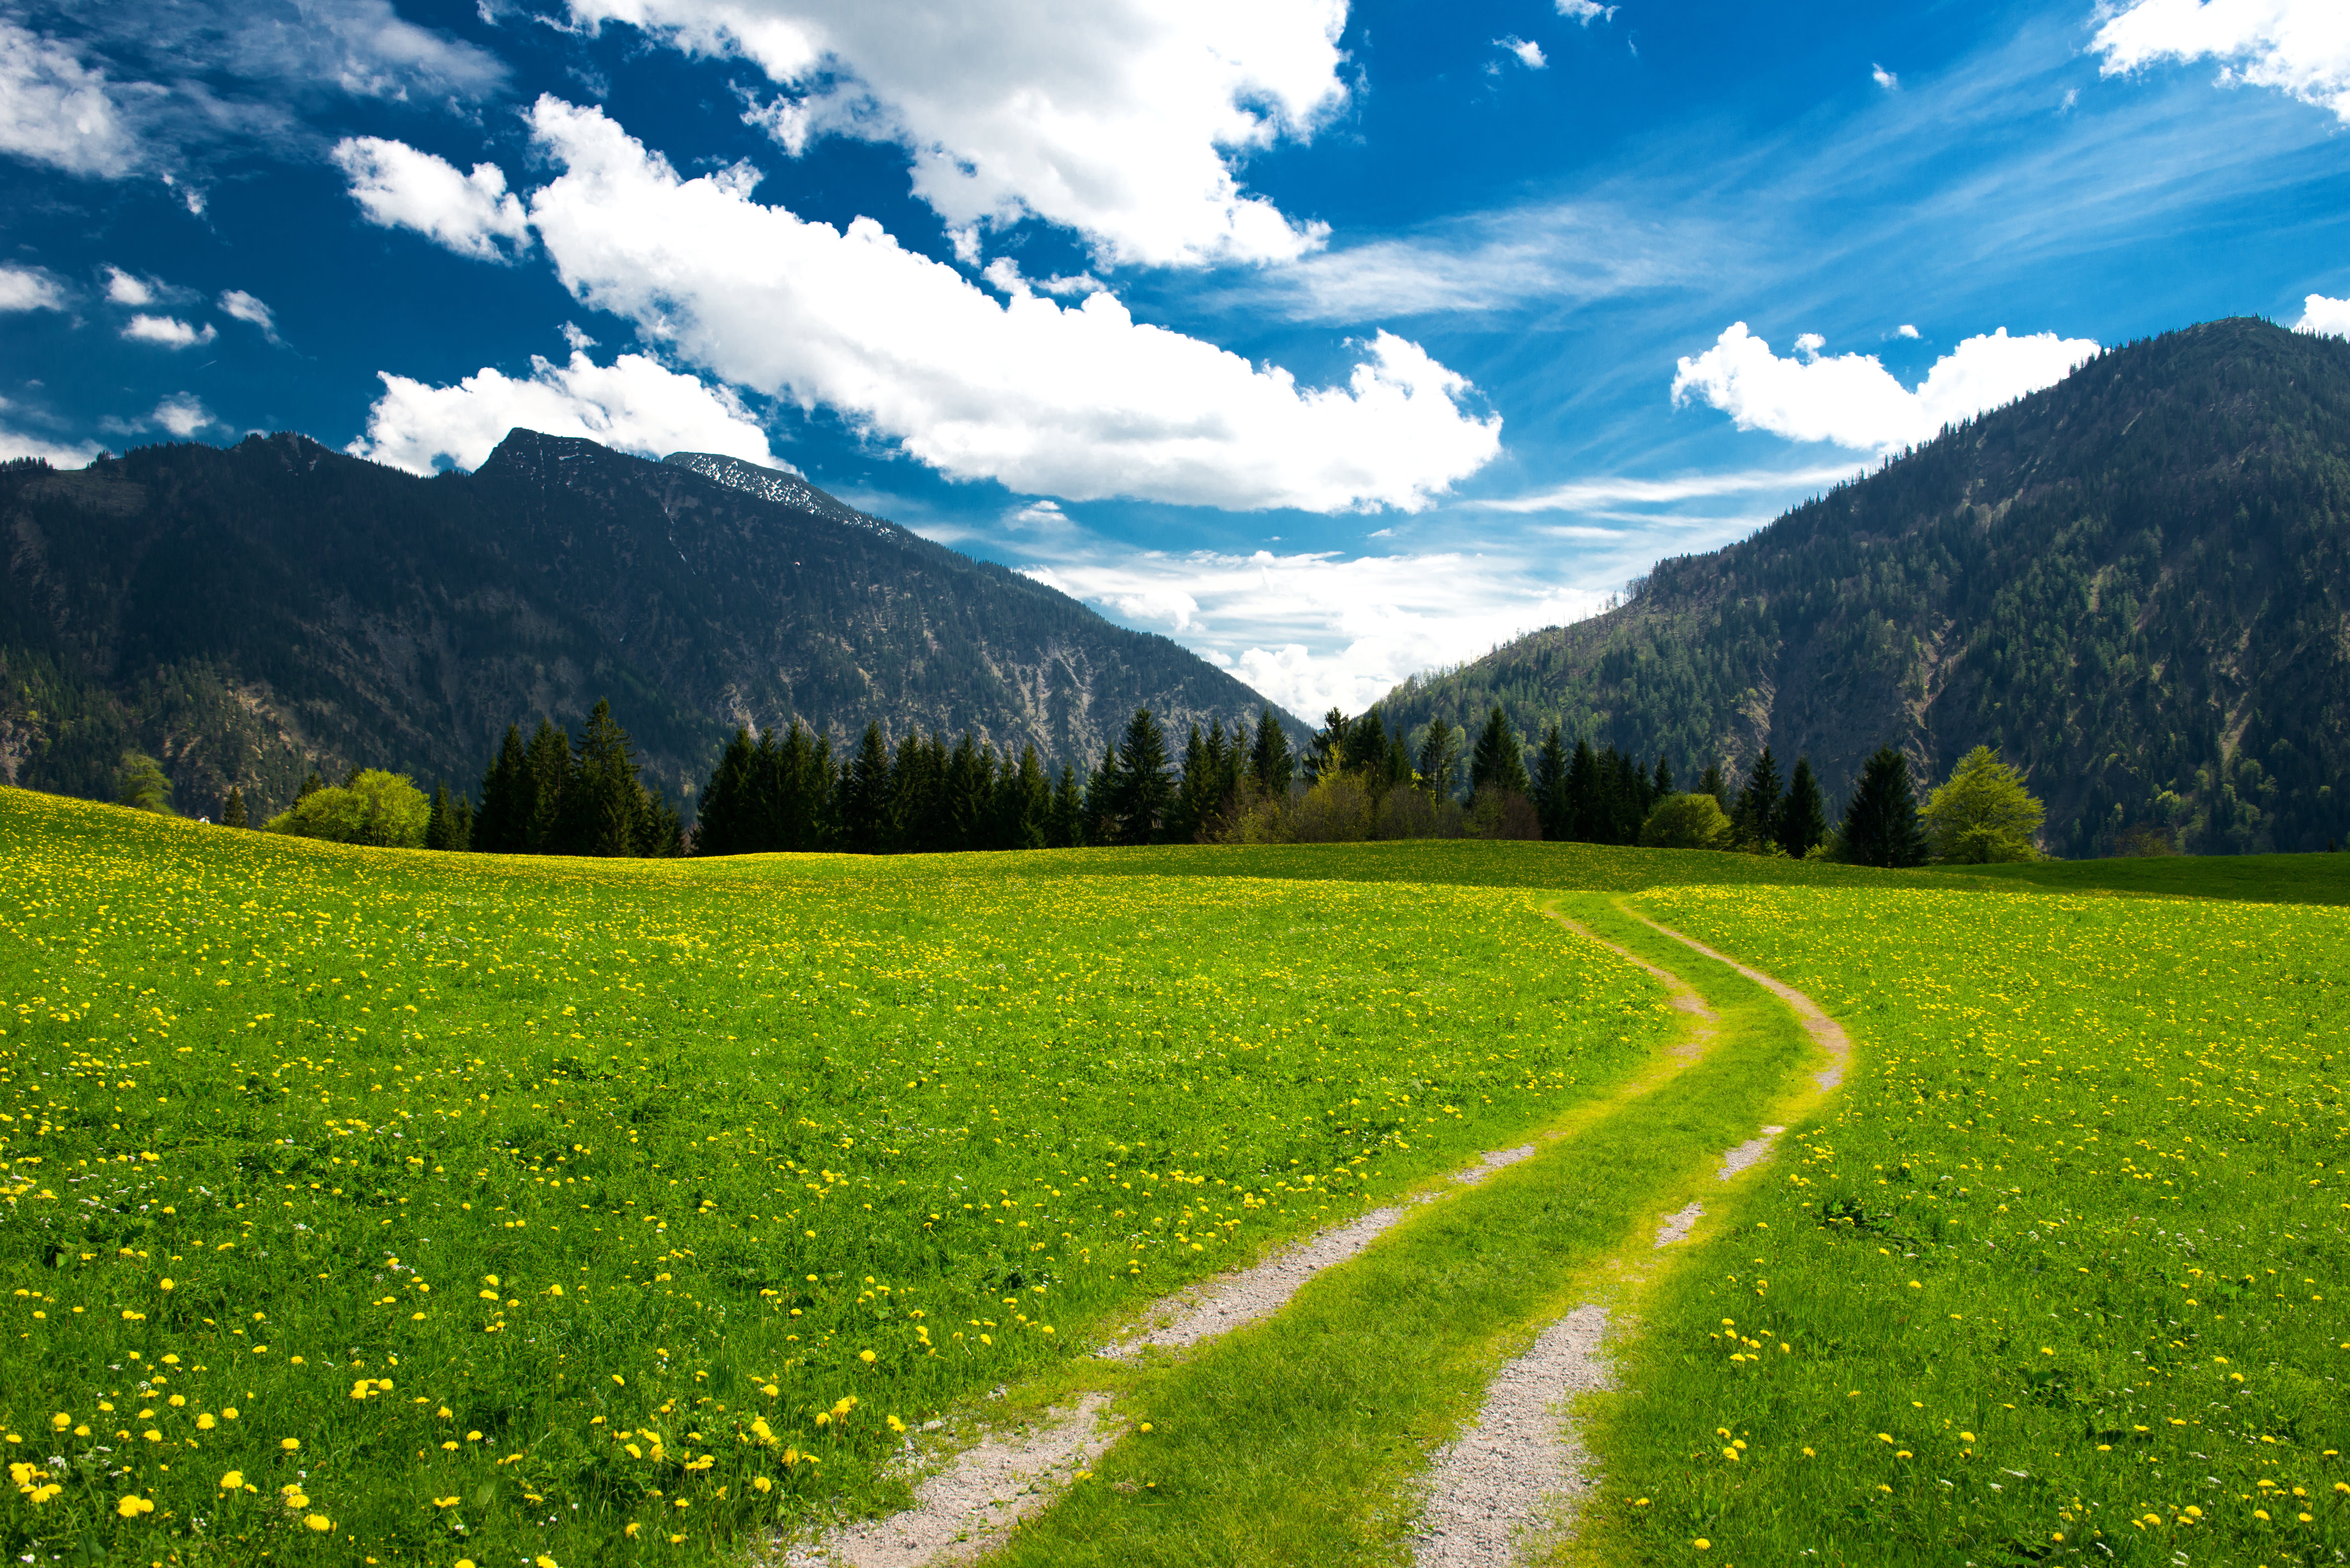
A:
x: 2062, y: 1273
x: 593, y: 1212
x: 1302, y: 1440
x: 428, y: 1207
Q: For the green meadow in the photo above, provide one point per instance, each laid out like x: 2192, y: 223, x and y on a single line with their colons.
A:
x: 381, y: 1204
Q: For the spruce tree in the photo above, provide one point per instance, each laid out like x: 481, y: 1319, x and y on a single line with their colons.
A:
x: 865, y: 794
x: 1270, y: 763
x: 1140, y: 804
x: 1065, y: 827
x: 969, y: 791
x: 1804, y: 822
x: 1550, y: 785
x: 719, y: 823
x: 1496, y: 763
x: 460, y: 828
x: 1326, y: 753
x: 1195, y: 789
x: 503, y: 826
x: 800, y: 798
x: 1716, y: 785
x: 1584, y: 802
x: 1439, y: 762
x: 1880, y: 823
x: 603, y: 810
x: 546, y: 776
x: 233, y: 813
x: 1660, y: 782
x: 1028, y: 804
x: 438, y: 819
x: 1760, y: 803
x: 1099, y: 825
x: 311, y: 784
x: 1627, y: 791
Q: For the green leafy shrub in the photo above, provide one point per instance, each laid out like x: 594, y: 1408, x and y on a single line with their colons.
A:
x: 376, y: 807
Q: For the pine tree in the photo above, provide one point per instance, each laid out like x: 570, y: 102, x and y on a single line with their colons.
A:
x: 1716, y: 785
x: 1439, y: 762
x: 1804, y: 822
x: 438, y: 823
x: 461, y: 830
x: 1102, y: 786
x: 1195, y: 789
x: 503, y: 826
x: 968, y: 790
x: 865, y: 794
x: 1143, y: 796
x: 1326, y: 753
x: 1760, y: 803
x: 800, y: 807
x: 1496, y: 763
x: 1880, y: 823
x: 1661, y: 783
x: 1627, y: 791
x: 1270, y: 763
x: 547, y: 775
x: 1585, y: 799
x: 1025, y: 817
x: 1551, y: 806
x: 1065, y: 825
x: 311, y: 784
x: 233, y: 813
x: 603, y: 810
x: 720, y: 823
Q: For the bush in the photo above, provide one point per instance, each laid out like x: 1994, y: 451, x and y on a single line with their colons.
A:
x: 1495, y: 812
x: 1691, y: 820
x: 375, y: 807
x: 140, y: 783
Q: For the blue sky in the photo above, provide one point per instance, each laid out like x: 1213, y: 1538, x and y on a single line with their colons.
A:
x: 1337, y: 341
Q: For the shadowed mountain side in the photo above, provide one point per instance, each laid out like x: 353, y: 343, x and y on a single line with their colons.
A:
x: 2135, y: 584
x: 244, y: 613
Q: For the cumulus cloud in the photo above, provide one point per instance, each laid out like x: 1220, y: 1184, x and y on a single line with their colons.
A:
x: 182, y: 414
x: 1313, y: 631
x: 1529, y: 53
x: 1853, y: 400
x: 16, y: 443
x: 1077, y: 400
x: 1905, y: 330
x: 121, y: 288
x: 1123, y: 119
x: 55, y: 110
x: 1884, y: 78
x: 2330, y: 317
x: 167, y: 332
x: 399, y: 187
x: 28, y: 288
x: 634, y: 404
x: 1585, y: 11
x: 2297, y: 47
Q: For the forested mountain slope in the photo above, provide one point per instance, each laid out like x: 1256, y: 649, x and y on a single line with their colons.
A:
x: 2135, y: 584
x: 247, y: 613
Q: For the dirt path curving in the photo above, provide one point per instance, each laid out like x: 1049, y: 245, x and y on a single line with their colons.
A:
x: 1826, y: 1032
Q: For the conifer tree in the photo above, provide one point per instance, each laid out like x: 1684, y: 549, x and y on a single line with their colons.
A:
x: 461, y: 826
x: 1660, y: 782
x: 1439, y: 762
x: 1551, y: 806
x: 438, y: 819
x: 547, y: 773
x: 720, y: 822
x: 603, y: 811
x: 1880, y: 823
x: 1716, y: 784
x: 1584, y: 802
x: 1804, y: 822
x: 1102, y: 788
x: 1760, y: 803
x: 503, y: 826
x: 311, y: 784
x: 1326, y: 753
x: 1195, y: 788
x: 1140, y: 804
x: 232, y: 813
x: 865, y: 794
x: 969, y: 791
x: 1497, y: 764
x: 1025, y: 815
x: 800, y: 807
x: 1270, y: 763
x: 1627, y: 791
x: 1065, y: 826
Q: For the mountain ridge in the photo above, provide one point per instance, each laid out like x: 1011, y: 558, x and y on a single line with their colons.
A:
x: 246, y: 612
x: 2135, y: 584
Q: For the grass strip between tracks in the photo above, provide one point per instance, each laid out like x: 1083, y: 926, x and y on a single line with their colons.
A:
x: 1300, y: 1439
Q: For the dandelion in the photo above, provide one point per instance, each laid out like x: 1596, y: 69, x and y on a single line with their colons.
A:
x: 132, y: 1506
x: 318, y: 1521
x: 290, y: 1444
x: 233, y: 1481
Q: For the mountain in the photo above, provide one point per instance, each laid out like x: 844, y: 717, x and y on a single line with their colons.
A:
x: 2133, y: 584
x: 247, y: 613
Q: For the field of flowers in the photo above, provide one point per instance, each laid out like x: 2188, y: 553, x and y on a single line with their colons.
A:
x: 2061, y: 1276
x: 377, y: 1205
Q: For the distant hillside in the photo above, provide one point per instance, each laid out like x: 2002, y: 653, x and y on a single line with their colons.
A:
x: 247, y: 613
x: 2136, y: 584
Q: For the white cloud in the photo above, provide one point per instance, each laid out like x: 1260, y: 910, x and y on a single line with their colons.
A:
x: 2298, y: 47
x: 239, y: 305
x: 1588, y: 495
x: 1905, y: 330
x: 1529, y: 53
x: 1315, y: 631
x: 399, y: 187
x: 1585, y: 11
x: 182, y: 414
x: 54, y: 111
x: 1079, y: 402
x: 1853, y: 400
x: 167, y: 332
x: 15, y: 443
x: 1884, y: 78
x: 121, y: 288
x: 633, y: 404
x: 28, y: 288
x: 1123, y: 119
x: 2331, y: 317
